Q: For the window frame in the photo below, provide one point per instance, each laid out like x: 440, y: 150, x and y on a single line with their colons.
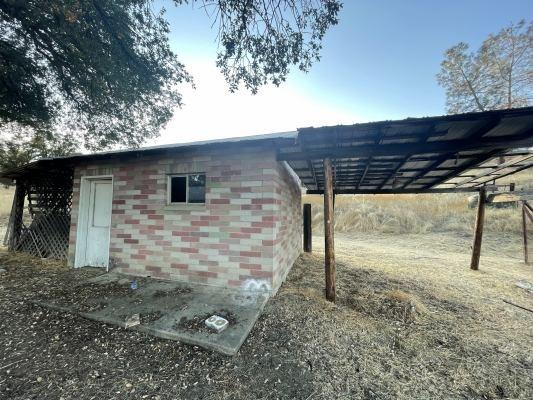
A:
x: 186, y: 176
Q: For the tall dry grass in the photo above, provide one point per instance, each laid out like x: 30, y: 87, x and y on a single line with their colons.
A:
x: 417, y: 213
x: 420, y: 213
x: 6, y: 200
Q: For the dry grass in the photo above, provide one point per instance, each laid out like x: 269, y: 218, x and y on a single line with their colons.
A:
x: 416, y: 213
x: 6, y: 200
x: 412, y: 320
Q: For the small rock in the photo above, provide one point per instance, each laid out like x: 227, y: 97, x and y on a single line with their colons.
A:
x: 39, y: 379
x: 3, y: 270
x: 94, y: 374
x: 128, y: 385
x: 132, y: 320
x: 525, y: 285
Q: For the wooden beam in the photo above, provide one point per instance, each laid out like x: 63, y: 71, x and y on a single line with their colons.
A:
x: 313, y: 173
x: 362, y: 178
x: 473, y: 135
x: 410, y: 122
x: 478, y: 230
x: 310, y: 165
x: 400, y: 191
x: 449, y: 146
x: 369, y: 161
x: 394, y: 172
x: 15, y: 219
x: 464, y: 167
x: 329, y: 231
x: 422, y: 139
x: 308, y: 231
x: 489, y: 174
x: 317, y: 138
x: 516, y: 170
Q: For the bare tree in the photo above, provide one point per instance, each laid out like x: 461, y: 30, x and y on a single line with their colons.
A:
x: 498, y: 76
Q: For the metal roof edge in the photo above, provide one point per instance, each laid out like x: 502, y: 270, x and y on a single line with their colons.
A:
x: 182, y: 146
x: 508, y: 112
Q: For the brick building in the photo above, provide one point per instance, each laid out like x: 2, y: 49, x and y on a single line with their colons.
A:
x: 218, y: 214
x: 227, y: 212
x: 223, y: 213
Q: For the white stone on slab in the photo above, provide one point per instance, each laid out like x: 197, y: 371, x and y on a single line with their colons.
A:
x: 216, y: 323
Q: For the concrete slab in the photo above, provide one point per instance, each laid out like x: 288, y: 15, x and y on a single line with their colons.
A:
x: 167, y: 309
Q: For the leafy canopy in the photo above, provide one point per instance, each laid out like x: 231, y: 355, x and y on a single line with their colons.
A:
x: 101, y: 73
x: 498, y: 76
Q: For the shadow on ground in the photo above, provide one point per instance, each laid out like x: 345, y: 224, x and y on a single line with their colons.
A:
x: 398, y: 331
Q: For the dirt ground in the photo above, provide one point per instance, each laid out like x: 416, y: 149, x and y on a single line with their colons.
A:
x: 411, y: 322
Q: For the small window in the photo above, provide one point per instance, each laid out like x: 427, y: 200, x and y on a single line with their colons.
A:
x: 186, y: 188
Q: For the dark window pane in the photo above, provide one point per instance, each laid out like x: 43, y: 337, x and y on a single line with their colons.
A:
x: 197, y: 188
x: 197, y: 194
x: 178, y: 189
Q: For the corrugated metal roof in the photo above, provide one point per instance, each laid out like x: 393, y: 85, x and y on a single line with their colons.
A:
x: 409, y: 155
x: 398, y: 156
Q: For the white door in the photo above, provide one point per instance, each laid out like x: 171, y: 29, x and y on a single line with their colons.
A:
x: 98, y: 223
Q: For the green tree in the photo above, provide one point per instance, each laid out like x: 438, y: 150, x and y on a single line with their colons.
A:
x: 103, y: 70
x: 22, y: 146
x: 498, y: 76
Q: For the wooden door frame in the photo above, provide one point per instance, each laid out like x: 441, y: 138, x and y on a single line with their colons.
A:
x: 83, y: 218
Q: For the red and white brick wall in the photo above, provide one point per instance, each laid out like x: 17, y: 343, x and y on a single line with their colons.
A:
x: 288, y: 231
x: 234, y: 240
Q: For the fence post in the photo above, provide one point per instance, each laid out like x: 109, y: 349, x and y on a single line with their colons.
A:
x: 524, y: 232
x: 478, y: 230
x: 308, y: 234
x: 329, y: 231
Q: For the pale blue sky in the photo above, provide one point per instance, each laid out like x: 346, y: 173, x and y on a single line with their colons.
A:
x: 378, y: 63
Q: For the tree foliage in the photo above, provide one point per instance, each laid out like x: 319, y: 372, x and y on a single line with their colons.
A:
x: 22, y: 146
x: 261, y: 39
x: 498, y: 76
x: 102, y: 72
x: 103, y: 68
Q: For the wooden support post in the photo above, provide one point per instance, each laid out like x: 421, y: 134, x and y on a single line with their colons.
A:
x: 329, y: 231
x: 308, y: 231
x: 524, y: 232
x: 14, y: 228
x: 478, y: 230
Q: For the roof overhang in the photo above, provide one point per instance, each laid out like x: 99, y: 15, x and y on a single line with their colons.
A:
x: 413, y: 155
x: 273, y: 141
